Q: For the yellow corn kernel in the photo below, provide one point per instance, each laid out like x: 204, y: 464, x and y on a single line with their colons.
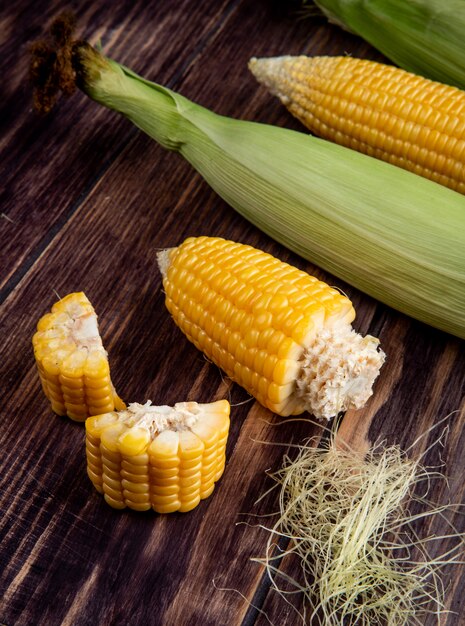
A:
x: 165, y: 458
x: 72, y: 362
x: 289, y: 343
x: 380, y: 110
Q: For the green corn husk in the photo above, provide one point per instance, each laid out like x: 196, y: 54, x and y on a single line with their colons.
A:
x: 422, y: 36
x: 390, y: 233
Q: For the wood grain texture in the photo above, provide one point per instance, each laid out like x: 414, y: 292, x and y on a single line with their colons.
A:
x: 87, y: 201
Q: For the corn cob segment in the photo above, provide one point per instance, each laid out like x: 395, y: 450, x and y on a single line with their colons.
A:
x: 382, y: 111
x: 72, y: 362
x: 283, y: 335
x: 160, y: 457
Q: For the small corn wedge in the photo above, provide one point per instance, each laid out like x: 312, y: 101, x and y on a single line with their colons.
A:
x: 158, y: 457
x: 72, y: 362
x: 377, y: 109
x: 283, y: 335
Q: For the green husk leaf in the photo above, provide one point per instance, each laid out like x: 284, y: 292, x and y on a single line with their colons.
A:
x: 392, y: 234
x: 422, y: 36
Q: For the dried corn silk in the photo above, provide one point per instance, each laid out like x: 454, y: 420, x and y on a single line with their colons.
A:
x: 350, y: 522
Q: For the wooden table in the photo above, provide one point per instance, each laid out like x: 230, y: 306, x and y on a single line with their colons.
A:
x: 87, y: 200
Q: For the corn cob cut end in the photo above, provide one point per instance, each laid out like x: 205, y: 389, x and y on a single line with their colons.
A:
x: 72, y: 362
x: 282, y: 334
x: 338, y: 372
x: 158, y: 457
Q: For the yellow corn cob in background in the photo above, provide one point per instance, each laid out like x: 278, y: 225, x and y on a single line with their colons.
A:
x: 72, y: 362
x: 283, y: 335
x: 165, y: 458
x: 382, y: 111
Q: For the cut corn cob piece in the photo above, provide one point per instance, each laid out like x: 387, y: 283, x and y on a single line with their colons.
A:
x: 72, y: 362
x: 380, y: 110
x: 160, y: 457
x: 283, y: 335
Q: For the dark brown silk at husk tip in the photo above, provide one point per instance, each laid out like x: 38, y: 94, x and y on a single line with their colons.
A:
x: 54, y: 66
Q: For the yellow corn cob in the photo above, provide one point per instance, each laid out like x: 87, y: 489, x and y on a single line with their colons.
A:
x: 165, y: 458
x: 72, y: 362
x: 283, y: 335
x: 382, y: 111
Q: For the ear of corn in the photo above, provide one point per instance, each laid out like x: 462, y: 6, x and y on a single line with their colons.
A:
x: 72, y: 362
x: 283, y: 335
x: 422, y: 36
x: 377, y: 109
x: 325, y: 202
x: 159, y: 457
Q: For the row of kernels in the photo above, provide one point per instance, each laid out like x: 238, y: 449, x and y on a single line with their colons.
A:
x: 135, y: 481
x: 189, y: 489
x: 191, y: 449
x: 210, y: 470
x: 214, y: 433
x: 74, y: 396
x: 52, y: 390
x: 208, y: 478
x: 192, y: 309
x: 111, y: 478
x: 222, y: 440
x: 94, y: 461
x: 165, y: 465
x: 221, y: 356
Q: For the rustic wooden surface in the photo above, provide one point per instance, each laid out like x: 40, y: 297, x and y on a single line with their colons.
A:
x: 86, y: 201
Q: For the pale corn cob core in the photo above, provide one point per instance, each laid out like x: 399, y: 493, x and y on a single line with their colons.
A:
x: 282, y: 334
x: 160, y: 457
x: 72, y: 362
x: 380, y: 110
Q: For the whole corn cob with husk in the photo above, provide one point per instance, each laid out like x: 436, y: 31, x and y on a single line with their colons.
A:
x: 283, y: 335
x: 72, y: 362
x: 422, y: 36
x: 159, y: 457
x: 380, y: 110
x: 325, y: 202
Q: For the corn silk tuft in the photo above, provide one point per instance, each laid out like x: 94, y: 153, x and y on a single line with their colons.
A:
x: 350, y: 521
